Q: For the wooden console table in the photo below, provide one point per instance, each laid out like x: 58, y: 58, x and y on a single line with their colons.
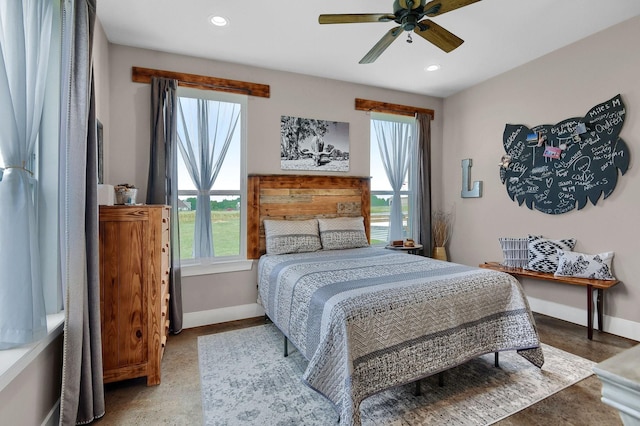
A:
x: 599, y: 285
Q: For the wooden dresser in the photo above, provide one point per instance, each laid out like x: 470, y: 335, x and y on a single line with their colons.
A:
x: 134, y: 290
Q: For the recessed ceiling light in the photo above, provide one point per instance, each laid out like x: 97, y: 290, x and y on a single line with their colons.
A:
x: 219, y: 21
x: 434, y: 67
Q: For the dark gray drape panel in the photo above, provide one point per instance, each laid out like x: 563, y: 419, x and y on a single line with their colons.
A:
x: 424, y: 181
x: 162, y: 187
x: 82, y: 394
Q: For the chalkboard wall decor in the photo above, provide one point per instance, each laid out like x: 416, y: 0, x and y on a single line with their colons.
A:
x: 553, y: 168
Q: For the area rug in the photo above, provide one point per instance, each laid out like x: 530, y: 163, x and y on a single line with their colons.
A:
x: 246, y: 380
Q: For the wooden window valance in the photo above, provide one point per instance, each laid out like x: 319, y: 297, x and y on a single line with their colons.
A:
x: 388, y: 108
x: 143, y: 75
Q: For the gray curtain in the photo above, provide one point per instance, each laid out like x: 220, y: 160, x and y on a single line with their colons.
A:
x: 82, y: 395
x: 162, y: 187
x: 25, y: 34
x: 204, y: 149
x: 424, y: 182
x: 394, y: 142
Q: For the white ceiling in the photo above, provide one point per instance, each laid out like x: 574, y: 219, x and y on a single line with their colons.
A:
x: 285, y: 35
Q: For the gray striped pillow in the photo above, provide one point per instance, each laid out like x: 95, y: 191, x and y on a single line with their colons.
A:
x: 515, y: 252
x: 342, y: 233
x: 291, y: 236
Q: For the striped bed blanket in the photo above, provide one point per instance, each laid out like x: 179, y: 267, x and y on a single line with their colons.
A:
x: 368, y: 319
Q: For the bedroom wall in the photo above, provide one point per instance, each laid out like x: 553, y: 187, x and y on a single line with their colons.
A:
x: 33, y: 396
x: 560, y: 85
x: 227, y: 296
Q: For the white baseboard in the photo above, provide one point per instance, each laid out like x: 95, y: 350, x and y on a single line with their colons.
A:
x: 613, y: 325
x: 53, y: 417
x: 215, y: 316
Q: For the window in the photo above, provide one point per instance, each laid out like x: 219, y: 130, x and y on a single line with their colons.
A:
x: 47, y: 172
x: 393, y: 170
x: 44, y: 186
x: 211, y: 176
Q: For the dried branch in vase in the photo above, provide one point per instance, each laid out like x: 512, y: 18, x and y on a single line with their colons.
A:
x: 441, y: 226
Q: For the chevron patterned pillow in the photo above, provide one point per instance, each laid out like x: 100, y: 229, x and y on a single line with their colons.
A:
x: 543, y: 252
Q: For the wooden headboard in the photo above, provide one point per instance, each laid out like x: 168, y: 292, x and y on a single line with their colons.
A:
x: 299, y: 197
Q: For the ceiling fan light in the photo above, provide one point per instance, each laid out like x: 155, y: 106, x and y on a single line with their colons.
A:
x: 219, y: 21
x: 434, y: 67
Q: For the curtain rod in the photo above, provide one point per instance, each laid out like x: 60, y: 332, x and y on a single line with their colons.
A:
x: 144, y: 75
x: 389, y: 108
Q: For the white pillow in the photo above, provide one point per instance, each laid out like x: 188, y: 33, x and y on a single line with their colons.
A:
x: 574, y: 264
x: 291, y: 236
x: 342, y: 233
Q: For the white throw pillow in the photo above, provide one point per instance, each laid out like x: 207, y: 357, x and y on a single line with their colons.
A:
x: 574, y: 264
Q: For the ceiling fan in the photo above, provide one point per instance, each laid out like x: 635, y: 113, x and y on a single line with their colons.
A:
x: 407, y: 14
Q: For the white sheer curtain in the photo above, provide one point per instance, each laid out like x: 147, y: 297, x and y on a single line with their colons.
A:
x: 25, y: 35
x: 395, y: 141
x: 204, y: 144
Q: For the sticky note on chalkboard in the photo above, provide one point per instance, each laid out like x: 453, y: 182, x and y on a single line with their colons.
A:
x: 551, y: 152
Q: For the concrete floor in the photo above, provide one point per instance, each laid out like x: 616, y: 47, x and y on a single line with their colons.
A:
x: 177, y: 400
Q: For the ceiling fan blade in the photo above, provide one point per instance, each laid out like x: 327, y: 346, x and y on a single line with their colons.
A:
x: 437, y: 35
x: 354, y: 18
x: 438, y: 7
x: 381, y: 45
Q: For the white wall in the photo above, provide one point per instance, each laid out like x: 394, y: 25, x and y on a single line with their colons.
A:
x: 33, y: 396
x: 566, y: 83
x: 291, y: 94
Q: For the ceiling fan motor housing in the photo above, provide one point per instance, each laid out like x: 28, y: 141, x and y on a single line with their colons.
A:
x: 408, y: 13
x: 409, y: 22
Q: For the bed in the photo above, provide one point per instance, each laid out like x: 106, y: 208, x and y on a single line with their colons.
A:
x: 367, y: 318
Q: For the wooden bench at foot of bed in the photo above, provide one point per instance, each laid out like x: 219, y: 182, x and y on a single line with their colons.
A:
x: 590, y: 284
